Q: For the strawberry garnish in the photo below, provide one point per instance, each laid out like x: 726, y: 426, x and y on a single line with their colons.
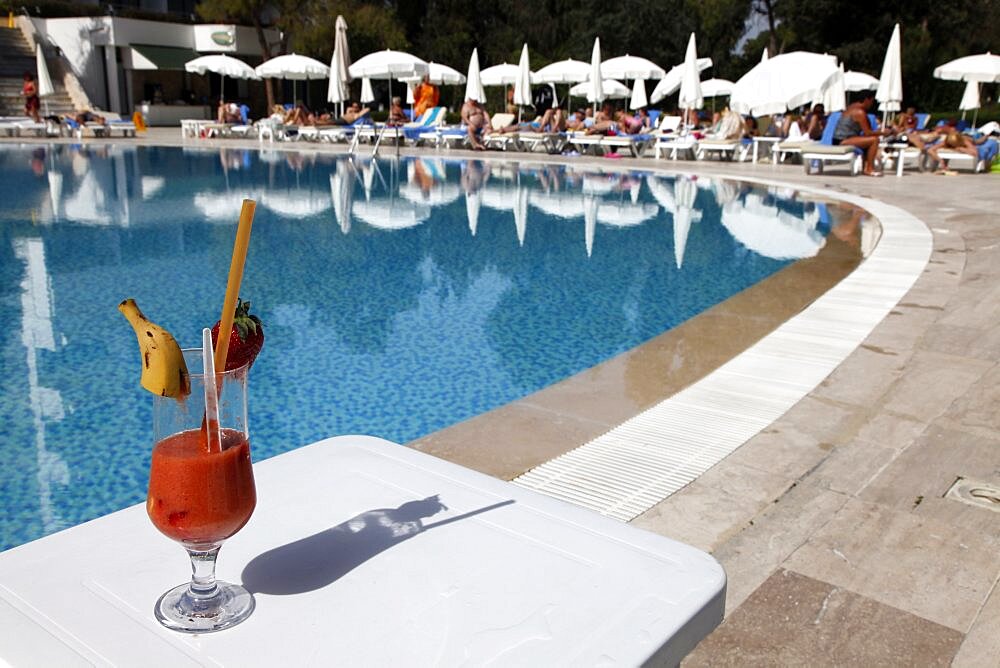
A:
x: 246, y: 339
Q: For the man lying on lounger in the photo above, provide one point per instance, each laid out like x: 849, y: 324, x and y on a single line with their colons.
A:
x: 87, y: 116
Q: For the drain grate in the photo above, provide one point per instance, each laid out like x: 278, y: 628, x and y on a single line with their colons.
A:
x: 976, y: 493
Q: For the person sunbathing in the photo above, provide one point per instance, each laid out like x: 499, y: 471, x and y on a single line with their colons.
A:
x: 853, y: 129
x: 814, y: 123
x: 228, y: 112
x: 396, y: 114
x: 87, y: 116
x: 477, y: 123
x: 551, y: 121
x: 297, y: 115
x: 578, y: 121
x: 957, y: 142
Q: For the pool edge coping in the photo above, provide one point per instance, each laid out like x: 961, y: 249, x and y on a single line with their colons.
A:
x: 659, y: 451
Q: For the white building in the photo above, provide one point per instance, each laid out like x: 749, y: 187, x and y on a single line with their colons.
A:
x: 122, y: 62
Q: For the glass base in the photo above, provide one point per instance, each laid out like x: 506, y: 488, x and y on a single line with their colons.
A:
x: 180, y: 610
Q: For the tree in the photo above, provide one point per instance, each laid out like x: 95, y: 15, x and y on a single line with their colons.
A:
x: 932, y: 34
x: 261, y: 14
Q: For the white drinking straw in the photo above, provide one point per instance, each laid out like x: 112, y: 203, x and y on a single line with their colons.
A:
x: 211, y: 394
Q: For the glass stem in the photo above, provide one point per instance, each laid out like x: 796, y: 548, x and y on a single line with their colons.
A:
x: 203, y: 572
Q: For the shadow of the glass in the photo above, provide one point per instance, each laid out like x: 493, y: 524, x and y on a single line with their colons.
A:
x: 318, y: 560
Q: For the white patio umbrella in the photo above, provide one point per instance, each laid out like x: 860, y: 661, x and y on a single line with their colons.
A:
x: 855, y: 81
x: 771, y: 232
x: 293, y: 67
x: 690, y: 96
x: 338, y: 91
x: 671, y: 82
x: 638, y: 100
x: 342, y: 194
x: 224, y: 66
x: 473, y: 84
x: 685, y: 192
x: 631, y: 67
x: 439, y: 75
x: 55, y: 179
x: 521, y: 212
x: 890, y: 83
x: 625, y: 214
x: 45, y: 88
x: 473, y: 202
x: 716, y: 87
x: 610, y: 89
x: 504, y: 74
x: 970, y: 100
x: 590, y: 207
x: 388, y: 65
x: 564, y: 71
x: 561, y: 204
x: 219, y: 206
x: 296, y: 203
x: 390, y: 213
x: 834, y: 96
x: 439, y: 194
x: 367, y: 94
x: 783, y: 82
x: 522, y: 84
x: 595, y: 89
x: 983, y: 67
x: 764, y: 56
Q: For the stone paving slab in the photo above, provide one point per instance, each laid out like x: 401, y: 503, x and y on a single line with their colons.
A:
x: 793, y: 620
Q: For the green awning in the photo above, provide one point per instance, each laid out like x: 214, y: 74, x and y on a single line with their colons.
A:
x: 161, y: 57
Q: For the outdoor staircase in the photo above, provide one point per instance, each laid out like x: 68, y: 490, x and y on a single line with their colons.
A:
x: 16, y: 58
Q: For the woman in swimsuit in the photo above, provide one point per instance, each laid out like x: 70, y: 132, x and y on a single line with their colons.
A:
x: 31, y: 101
x: 853, y: 129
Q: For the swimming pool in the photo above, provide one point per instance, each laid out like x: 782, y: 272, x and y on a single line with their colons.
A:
x: 398, y: 296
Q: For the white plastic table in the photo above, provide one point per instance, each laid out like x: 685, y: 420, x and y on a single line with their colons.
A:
x: 757, y: 141
x: 363, y: 553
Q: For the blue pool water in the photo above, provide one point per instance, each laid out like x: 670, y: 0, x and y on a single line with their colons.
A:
x: 398, y: 296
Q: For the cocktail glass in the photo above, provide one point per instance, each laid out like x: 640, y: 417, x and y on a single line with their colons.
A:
x: 200, y: 494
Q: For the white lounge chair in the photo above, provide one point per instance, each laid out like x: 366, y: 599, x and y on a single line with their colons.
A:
x: 815, y: 156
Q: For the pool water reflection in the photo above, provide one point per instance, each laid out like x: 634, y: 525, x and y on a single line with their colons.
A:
x: 398, y: 296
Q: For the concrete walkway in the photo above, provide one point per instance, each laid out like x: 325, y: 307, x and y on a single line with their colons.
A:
x: 833, y: 525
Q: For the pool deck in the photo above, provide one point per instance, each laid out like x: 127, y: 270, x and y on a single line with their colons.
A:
x: 832, y: 523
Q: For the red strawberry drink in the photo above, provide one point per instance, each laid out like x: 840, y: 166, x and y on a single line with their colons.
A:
x: 198, y: 496
x: 201, y: 492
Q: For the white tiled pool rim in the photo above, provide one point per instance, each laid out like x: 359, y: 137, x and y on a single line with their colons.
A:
x: 654, y: 454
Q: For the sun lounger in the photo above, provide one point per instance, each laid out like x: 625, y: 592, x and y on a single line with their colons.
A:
x: 548, y: 142
x: 815, y: 157
x: 724, y: 149
x: 987, y: 153
x: 501, y: 140
x: 636, y: 144
x: 27, y: 126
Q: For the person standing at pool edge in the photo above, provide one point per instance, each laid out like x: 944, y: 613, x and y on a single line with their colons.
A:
x: 32, y: 102
x: 425, y: 96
